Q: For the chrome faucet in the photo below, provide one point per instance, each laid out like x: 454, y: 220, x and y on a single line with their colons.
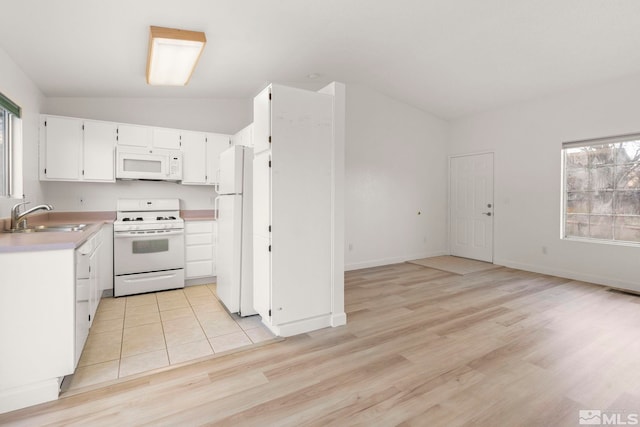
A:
x: 19, y: 220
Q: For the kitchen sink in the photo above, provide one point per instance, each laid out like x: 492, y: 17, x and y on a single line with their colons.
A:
x: 49, y: 228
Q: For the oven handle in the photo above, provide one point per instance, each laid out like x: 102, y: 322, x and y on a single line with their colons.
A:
x: 146, y: 279
x: 158, y: 233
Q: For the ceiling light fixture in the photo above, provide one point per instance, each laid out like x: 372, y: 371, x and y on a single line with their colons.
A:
x: 173, y: 55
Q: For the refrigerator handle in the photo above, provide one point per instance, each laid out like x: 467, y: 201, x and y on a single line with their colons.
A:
x: 216, y: 187
x: 215, y: 208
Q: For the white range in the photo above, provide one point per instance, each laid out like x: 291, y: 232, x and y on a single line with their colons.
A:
x: 148, y: 246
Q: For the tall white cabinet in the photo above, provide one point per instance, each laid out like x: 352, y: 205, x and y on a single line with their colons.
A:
x: 294, y: 217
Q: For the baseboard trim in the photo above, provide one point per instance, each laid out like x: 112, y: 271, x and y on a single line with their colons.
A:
x: 573, y: 275
x: 300, y: 326
x: 339, y: 319
x: 392, y: 260
x: 28, y: 395
x: 200, y: 281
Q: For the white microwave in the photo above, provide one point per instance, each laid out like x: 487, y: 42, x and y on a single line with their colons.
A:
x: 145, y: 163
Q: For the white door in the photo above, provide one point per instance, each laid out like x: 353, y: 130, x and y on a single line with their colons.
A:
x: 471, y: 206
x: 228, y: 250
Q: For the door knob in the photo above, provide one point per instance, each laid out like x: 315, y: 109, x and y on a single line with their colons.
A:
x: 486, y: 213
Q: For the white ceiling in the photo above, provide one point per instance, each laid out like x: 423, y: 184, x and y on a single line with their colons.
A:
x: 448, y: 57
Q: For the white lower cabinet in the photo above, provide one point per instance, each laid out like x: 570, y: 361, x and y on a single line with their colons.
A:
x: 199, y: 249
x: 88, y: 289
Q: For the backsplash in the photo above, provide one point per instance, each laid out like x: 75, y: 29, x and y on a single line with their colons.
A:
x: 86, y: 196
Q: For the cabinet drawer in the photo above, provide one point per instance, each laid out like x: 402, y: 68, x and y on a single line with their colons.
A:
x: 198, y: 239
x: 198, y: 227
x: 199, y: 269
x: 200, y: 252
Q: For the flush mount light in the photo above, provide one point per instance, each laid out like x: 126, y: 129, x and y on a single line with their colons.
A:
x: 173, y: 55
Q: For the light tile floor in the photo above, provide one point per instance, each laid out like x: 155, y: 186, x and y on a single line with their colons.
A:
x: 140, y: 333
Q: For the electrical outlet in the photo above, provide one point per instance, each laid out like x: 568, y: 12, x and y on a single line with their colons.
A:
x: 350, y: 247
x: 544, y: 250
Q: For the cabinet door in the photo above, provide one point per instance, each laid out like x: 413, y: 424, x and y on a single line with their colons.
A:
x: 244, y: 137
x: 99, y: 151
x: 166, y: 138
x: 301, y: 165
x: 262, y: 234
x: 216, y: 144
x: 262, y: 121
x: 94, y: 285
x: 136, y: 136
x: 214, y: 236
x: 194, y: 158
x: 63, y: 148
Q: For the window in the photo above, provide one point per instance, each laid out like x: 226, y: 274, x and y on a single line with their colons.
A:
x: 602, y: 189
x: 9, y: 112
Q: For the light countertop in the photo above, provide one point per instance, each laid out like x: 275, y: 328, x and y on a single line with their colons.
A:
x: 48, y: 241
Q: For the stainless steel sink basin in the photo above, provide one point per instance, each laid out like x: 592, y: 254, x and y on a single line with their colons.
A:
x: 49, y: 228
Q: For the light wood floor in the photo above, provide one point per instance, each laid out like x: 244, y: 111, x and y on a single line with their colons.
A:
x: 422, y: 347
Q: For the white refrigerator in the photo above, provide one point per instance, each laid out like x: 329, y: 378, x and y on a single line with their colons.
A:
x: 234, y: 247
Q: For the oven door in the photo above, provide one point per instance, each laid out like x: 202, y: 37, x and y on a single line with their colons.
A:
x: 147, y: 251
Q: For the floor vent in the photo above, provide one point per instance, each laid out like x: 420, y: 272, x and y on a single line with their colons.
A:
x: 624, y: 291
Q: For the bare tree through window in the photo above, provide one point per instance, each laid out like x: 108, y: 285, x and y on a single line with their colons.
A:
x: 602, y: 190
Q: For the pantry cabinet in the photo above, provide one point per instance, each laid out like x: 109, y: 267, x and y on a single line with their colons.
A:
x: 200, y: 237
x: 292, y: 209
x: 76, y: 150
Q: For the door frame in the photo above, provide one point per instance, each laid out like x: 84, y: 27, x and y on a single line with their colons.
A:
x: 493, y: 190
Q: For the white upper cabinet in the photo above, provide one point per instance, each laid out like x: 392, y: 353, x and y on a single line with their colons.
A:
x: 61, y: 148
x: 262, y: 121
x: 194, y: 158
x: 244, y: 137
x: 216, y: 144
x: 133, y: 135
x: 99, y: 151
x: 200, y: 157
x: 76, y: 150
x: 166, y: 138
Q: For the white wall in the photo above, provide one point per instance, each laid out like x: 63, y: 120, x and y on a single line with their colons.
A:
x: 214, y: 115
x: 20, y: 89
x: 395, y: 167
x: 527, y: 139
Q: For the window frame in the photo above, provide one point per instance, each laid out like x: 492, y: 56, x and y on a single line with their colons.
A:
x: 10, y: 111
x: 618, y: 139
